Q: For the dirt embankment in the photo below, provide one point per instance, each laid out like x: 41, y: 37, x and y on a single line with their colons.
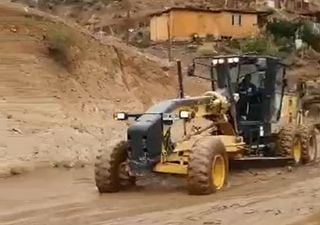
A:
x: 52, y: 114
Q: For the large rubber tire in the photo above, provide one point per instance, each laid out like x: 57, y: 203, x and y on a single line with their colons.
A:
x: 309, y: 144
x: 203, y: 154
x: 107, y: 166
x: 285, y: 140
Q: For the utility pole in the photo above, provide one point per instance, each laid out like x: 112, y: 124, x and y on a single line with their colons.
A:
x: 169, y: 26
x: 127, y: 6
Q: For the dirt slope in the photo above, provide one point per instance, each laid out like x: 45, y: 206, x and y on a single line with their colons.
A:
x: 62, y: 115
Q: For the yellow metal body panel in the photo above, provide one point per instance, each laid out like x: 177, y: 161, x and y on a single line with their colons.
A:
x: 177, y: 162
x: 171, y: 168
x: 289, y: 112
x: 232, y: 144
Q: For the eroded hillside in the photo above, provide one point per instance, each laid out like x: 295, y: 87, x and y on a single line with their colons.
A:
x: 60, y: 112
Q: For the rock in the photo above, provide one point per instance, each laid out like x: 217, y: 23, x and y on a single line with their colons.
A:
x: 13, y: 29
x: 57, y: 97
x: 289, y: 168
x: 20, y: 168
x: 16, y: 130
x: 68, y: 165
x: 278, y: 212
x: 251, y: 211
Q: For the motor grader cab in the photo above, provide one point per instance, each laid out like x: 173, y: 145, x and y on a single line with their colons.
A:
x: 247, y: 115
x: 256, y: 88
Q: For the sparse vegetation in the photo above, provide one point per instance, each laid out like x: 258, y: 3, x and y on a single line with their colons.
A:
x: 285, y: 32
x: 310, y: 37
x: 260, y: 45
x: 282, y: 29
x: 141, y: 39
x: 60, y: 43
x: 206, y: 49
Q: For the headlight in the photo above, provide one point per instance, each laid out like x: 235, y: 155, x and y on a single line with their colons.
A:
x: 236, y: 60
x: 230, y: 60
x: 120, y: 116
x: 220, y: 61
x: 184, y: 114
x: 215, y: 61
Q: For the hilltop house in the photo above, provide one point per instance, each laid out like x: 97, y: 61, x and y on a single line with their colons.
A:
x: 181, y: 23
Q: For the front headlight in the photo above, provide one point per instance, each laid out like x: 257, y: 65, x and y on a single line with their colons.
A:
x: 236, y: 59
x: 215, y: 61
x: 183, y: 114
x: 120, y: 116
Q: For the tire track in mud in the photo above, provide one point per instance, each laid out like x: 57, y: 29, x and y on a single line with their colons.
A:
x: 55, y: 197
x: 277, y: 208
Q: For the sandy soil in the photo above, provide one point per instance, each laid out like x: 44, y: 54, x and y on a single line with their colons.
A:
x: 273, y: 196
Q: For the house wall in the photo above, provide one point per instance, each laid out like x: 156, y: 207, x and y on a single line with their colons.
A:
x: 249, y: 25
x: 185, y: 23
x: 159, y: 27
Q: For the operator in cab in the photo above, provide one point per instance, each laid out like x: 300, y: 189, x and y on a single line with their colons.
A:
x: 246, y: 87
x: 247, y: 94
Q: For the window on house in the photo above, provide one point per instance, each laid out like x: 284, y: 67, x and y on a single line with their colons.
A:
x: 236, y: 20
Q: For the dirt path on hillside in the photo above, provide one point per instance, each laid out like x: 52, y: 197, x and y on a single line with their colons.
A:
x: 53, y: 197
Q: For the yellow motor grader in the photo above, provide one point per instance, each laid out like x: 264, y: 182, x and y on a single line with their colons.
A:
x: 250, y: 114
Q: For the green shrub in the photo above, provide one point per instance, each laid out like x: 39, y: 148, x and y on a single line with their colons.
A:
x: 206, y: 49
x: 60, y: 44
x: 234, y: 43
x: 282, y: 29
x: 260, y: 45
x: 310, y: 37
x: 284, y: 33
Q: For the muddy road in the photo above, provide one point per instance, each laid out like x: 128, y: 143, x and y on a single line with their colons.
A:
x: 57, y: 196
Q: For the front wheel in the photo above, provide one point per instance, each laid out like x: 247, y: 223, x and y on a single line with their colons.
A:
x: 111, y: 172
x: 208, y: 166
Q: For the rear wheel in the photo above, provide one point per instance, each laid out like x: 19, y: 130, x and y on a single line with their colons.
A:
x: 308, y: 143
x: 285, y: 140
x: 290, y: 143
x: 208, y: 166
x: 111, y: 174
